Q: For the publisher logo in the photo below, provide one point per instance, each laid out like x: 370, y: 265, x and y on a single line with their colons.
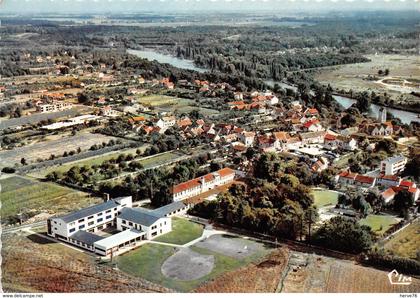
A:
x: 396, y: 278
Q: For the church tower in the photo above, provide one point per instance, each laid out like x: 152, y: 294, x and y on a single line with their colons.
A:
x: 382, y: 115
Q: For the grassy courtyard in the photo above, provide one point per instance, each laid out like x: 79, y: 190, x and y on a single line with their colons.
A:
x: 183, y: 231
x: 24, y: 194
x: 405, y: 243
x: 379, y: 223
x: 324, y: 198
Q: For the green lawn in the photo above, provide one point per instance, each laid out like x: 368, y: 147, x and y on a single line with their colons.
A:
x: 38, y: 196
x: 379, y: 223
x: 146, y: 262
x: 156, y: 160
x: 96, y: 160
x: 405, y: 243
x: 158, y: 100
x: 324, y: 198
x: 183, y: 231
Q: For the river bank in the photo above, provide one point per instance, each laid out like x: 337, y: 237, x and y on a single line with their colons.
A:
x: 406, y: 116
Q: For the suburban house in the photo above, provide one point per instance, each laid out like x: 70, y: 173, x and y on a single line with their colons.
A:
x: 202, y: 184
x: 316, y: 137
x: 338, y: 141
x: 165, y: 122
x: 134, y: 225
x: 247, y: 138
x: 377, y: 129
x: 393, y: 165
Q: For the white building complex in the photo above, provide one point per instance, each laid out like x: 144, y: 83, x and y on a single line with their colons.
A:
x: 133, y: 225
x: 202, y: 184
x: 393, y: 165
x: 56, y: 106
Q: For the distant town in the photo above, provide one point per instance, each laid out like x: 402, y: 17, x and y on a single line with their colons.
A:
x: 245, y: 164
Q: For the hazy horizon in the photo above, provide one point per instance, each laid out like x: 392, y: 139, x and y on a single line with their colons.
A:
x: 179, y: 6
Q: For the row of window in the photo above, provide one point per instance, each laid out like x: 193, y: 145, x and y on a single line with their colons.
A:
x: 90, y: 223
x: 98, y: 214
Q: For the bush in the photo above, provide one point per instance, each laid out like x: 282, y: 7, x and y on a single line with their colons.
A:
x: 8, y: 170
x: 402, y: 265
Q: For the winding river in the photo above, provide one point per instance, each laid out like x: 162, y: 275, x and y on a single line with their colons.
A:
x: 406, y: 117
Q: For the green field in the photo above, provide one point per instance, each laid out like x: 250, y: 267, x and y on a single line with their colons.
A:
x: 379, y: 223
x: 156, y: 100
x: 22, y: 195
x: 96, y: 160
x: 324, y: 198
x: 158, y: 159
x: 405, y: 243
x: 147, y: 260
x: 170, y: 104
x: 183, y: 231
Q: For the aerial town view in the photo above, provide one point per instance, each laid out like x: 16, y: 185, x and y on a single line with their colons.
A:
x: 210, y: 146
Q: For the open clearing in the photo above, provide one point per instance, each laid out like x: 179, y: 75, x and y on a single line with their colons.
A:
x: 57, y: 147
x: 165, y: 103
x: 352, y: 76
x: 405, y: 243
x: 34, y: 264
x: 379, y: 223
x: 148, y: 262
x: 324, y: 198
x: 21, y: 194
x: 183, y: 231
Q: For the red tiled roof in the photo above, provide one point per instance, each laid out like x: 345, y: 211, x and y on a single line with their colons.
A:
x: 330, y: 137
x: 406, y: 184
x: 281, y: 135
x: 388, y: 193
x: 348, y: 175
x: 197, y: 181
x: 310, y: 123
x: 390, y: 177
x: 364, y: 179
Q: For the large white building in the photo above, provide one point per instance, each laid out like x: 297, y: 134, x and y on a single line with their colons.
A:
x: 134, y: 225
x: 56, y: 106
x: 393, y: 165
x: 202, y: 184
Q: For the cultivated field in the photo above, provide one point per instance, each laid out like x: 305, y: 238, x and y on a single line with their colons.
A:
x: 379, y: 223
x: 405, y: 243
x: 20, y: 194
x: 35, y: 264
x: 316, y: 274
x: 190, y: 266
x: 57, y: 147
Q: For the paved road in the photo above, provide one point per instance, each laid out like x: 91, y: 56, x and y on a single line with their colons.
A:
x: 36, y: 118
x: 8, y: 230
